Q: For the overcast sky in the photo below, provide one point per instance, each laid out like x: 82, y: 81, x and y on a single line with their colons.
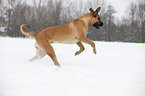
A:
x: 121, y: 6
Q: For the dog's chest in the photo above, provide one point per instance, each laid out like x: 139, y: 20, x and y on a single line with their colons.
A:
x: 67, y: 41
x: 70, y: 41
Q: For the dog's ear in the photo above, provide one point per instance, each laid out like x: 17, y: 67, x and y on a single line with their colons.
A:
x: 92, y: 10
x: 98, y: 9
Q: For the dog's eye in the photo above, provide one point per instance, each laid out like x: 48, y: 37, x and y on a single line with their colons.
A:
x: 98, y: 18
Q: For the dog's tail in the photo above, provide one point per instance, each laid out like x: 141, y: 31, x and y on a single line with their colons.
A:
x: 26, y: 33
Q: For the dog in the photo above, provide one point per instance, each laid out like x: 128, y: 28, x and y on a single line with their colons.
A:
x: 70, y: 33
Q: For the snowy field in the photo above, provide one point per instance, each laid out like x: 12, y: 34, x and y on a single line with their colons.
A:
x: 118, y: 69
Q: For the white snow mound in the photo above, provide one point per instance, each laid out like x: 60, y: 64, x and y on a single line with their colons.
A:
x: 118, y: 69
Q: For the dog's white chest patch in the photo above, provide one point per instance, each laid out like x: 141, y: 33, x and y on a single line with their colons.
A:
x: 70, y: 41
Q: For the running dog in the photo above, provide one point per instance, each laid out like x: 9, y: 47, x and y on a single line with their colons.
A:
x: 73, y: 32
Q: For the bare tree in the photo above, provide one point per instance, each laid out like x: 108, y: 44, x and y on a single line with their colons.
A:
x: 47, y: 13
x: 18, y: 17
x: 0, y: 6
x: 141, y: 16
x: 38, y: 14
x: 132, y: 15
x: 15, y: 13
x: 2, y: 18
x: 9, y: 9
x: 109, y: 19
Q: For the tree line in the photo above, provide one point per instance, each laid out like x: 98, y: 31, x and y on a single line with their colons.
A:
x: 45, y: 13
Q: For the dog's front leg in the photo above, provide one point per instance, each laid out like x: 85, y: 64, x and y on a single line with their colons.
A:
x: 85, y: 40
x: 82, y: 48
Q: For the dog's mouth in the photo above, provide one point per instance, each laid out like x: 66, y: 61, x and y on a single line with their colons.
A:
x: 98, y: 27
x: 98, y: 24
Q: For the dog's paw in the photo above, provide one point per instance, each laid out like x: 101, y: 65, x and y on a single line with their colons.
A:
x: 95, y: 52
x: 57, y: 64
x: 76, y: 53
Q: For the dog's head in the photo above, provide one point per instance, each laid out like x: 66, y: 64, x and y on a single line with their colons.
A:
x: 96, y: 22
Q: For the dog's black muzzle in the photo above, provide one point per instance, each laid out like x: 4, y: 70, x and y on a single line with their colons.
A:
x: 98, y: 24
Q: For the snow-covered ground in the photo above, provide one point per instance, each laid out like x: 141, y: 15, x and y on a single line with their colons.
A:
x: 118, y: 69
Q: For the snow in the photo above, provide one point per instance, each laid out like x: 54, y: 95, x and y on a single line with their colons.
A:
x: 118, y: 69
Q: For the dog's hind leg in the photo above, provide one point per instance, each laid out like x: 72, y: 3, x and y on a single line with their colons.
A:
x: 48, y: 49
x: 39, y: 54
x: 82, y: 48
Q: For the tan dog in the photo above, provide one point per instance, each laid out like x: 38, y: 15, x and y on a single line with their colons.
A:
x: 73, y: 32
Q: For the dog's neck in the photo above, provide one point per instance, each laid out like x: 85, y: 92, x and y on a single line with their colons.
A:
x: 86, y: 20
